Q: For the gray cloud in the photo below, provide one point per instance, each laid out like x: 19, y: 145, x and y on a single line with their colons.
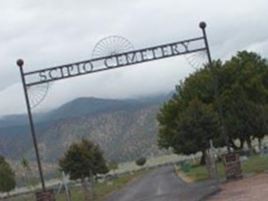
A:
x: 57, y: 32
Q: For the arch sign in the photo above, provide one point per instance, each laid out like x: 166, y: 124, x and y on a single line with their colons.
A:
x: 103, y: 63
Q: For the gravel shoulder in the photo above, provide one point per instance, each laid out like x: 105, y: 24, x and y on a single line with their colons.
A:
x: 247, y: 189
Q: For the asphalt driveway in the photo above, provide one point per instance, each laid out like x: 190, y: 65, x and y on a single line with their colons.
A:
x: 162, y: 184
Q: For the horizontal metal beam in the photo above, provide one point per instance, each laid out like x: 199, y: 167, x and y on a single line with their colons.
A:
x: 114, y: 61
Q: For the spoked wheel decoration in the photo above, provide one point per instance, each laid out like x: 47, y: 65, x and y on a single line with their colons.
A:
x: 197, y: 60
x: 37, y: 94
x: 111, y: 45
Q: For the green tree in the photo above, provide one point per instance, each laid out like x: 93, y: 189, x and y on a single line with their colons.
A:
x: 261, y: 119
x: 25, y: 163
x: 193, y: 128
x: 231, y: 96
x: 244, y: 97
x: 190, y: 118
x: 7, y: 175
x: 83, y: 160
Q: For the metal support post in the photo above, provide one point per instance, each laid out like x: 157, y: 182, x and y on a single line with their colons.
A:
x: 20, y: 64
x: 203, y: 25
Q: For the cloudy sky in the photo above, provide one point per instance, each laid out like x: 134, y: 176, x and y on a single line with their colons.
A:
x: 49, y: 33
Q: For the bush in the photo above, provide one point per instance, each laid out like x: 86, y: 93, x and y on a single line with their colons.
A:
x: 141, y: 161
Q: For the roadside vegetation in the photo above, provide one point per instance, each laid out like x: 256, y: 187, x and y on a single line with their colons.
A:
x: 101, y: 189
x: 86, y: 166
x: 253, y: 165
x: 7, y: 176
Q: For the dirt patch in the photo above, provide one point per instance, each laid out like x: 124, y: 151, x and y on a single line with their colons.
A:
x: 247, y: 189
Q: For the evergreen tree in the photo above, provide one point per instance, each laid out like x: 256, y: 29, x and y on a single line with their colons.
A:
x: 83, y: 160
x: 7, y: 176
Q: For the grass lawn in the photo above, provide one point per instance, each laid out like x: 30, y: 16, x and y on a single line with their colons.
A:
x: 255, y: 164
x: 199, y: 173
x: 101, y: 190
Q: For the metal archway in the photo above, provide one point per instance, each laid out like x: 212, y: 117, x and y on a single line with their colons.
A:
x: 115, y: 59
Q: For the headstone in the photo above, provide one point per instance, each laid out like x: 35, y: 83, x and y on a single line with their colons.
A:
x: 264, y: 151
x: 211, y: 162
x: 232, y: 166
x: 47, y: 195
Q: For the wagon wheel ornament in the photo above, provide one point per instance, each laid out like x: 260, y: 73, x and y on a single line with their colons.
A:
x: 111, y: 45
x: 37, y: 94
x: 197, y: 60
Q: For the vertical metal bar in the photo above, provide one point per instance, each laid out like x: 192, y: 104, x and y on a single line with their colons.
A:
x: 203, y: 25
x: 20, y: 64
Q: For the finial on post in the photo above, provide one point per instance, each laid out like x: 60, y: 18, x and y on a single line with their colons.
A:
x: 202, y: 25
x: 20, y: 63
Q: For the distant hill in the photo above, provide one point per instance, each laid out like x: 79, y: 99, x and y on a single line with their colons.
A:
x: 125, y: 129
x: 11, y: 120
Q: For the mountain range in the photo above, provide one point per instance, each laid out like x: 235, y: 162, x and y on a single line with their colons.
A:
x: 125, y: 129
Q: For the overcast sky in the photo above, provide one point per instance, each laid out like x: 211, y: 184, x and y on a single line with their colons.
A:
x: 49, y: 33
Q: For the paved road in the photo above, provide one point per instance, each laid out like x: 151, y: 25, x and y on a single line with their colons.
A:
x: 162, y: 185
